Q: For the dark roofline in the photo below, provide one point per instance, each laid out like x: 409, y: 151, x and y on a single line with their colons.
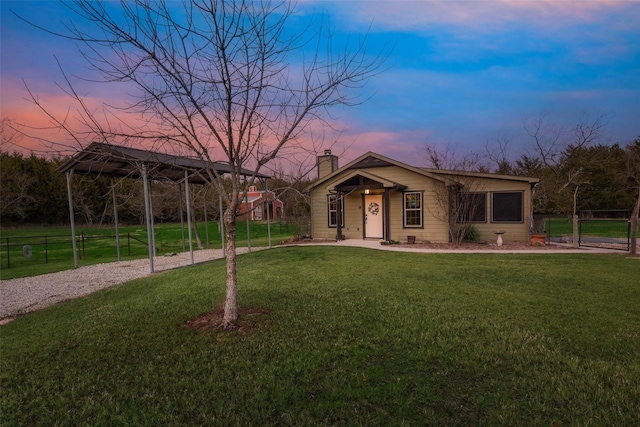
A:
x: 117, y: 161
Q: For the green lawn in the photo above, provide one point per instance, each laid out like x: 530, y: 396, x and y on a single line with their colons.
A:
x: 351, y: 337
x: 52, y: 249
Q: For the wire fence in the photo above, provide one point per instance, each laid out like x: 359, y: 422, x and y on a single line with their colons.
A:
x: 610, y: 229
x: 22, y: 251
x: 605, y: 228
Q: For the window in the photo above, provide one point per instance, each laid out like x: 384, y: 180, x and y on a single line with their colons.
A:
x: 507, y: 206
x: 472, y: 207
x: 332, y: 203
x: 413, y: 209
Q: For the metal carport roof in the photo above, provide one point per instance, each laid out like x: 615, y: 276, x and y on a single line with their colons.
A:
x: 117, y: 161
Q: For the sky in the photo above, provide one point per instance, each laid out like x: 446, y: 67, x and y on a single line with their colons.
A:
x: 460, y: 75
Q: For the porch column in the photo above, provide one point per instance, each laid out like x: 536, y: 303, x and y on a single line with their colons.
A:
x: 387, y: 214
x: 72, y: 219
x: 339, y: 216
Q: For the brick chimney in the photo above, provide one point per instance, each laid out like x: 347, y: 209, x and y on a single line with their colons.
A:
x: 327, y: 164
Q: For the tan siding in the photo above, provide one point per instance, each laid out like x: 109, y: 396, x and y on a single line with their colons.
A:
x: 435, y: 228
x: 513, y: 231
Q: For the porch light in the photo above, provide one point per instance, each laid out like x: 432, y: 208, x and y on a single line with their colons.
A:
x: 366, y: 191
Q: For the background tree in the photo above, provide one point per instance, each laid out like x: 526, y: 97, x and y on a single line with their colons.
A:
x: 297, y: 204
x: 551, y: 146
x: 218, y: 80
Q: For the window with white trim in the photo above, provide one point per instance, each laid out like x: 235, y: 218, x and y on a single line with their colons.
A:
x: 332, y: 208
x: 412, y: 209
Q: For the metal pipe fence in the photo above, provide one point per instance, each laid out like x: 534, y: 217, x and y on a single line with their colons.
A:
x: 22, y: 251
x: 608, y: 229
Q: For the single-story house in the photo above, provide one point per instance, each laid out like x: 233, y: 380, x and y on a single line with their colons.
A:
x: 375, y: 197
x: 256, y: 203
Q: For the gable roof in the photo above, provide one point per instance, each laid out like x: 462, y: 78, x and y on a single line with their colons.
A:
x: 386, y: 183
x: 371, y: 159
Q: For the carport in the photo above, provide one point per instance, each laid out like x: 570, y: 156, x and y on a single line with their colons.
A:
x: 113, y: 161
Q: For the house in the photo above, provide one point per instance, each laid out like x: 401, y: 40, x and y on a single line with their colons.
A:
x: 375, y: 197
x: 255, y: 203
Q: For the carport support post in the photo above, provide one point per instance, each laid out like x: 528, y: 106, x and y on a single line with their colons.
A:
x: 153, y: 224
x: 181, y: 215
x: 246, y: 215
x: 71, y: 218
x: 266, y: 187
x: 633, y: 248
x: 188, y: 202
x: 206, y: 223
x: 147, y: 209
x: 115, y: 218
x: 224, y: 248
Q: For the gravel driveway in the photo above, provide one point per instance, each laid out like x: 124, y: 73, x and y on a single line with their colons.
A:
x: 24, y: 295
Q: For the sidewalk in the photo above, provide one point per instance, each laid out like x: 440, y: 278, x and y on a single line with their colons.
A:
x: 490, y: 248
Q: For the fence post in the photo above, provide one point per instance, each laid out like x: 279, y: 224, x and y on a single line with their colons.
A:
x: 82, y: 240
x: 8, y: 255
x: 46, y: 250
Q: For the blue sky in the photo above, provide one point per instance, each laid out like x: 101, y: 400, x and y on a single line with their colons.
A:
x: 459, y: 75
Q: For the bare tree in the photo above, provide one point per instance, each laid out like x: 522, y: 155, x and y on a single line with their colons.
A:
x: 446, y: 158
x: 553, y: 145
x: 498, y: 153
x: 459, y: 202
x: 219, y: 80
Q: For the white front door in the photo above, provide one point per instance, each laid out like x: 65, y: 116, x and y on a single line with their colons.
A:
x: 373, y: 216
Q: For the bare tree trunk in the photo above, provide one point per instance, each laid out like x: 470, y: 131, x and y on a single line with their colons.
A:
x: 231, y: 300
x: 576, y: 232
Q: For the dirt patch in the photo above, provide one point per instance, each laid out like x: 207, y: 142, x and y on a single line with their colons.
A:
x: 249, y: 318
x: 293, y: 241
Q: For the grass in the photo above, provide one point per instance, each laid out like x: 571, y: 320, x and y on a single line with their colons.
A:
x: 52, y: 246
x: 351, y: 337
